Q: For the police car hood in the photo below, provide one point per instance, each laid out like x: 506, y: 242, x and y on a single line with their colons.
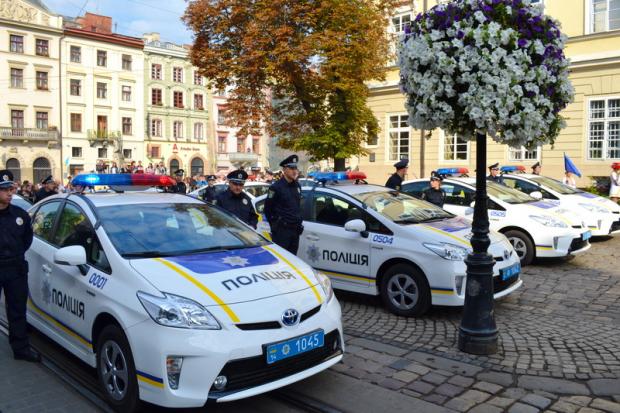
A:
x: 552, y: 208
x: 230, y: 277
x: 586, y: 197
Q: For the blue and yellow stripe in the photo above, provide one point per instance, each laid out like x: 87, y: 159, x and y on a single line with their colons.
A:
x: 350, y: 277
x: 150, y: 379
x: 442, y: 291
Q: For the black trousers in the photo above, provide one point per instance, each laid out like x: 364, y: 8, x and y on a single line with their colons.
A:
x: 286, y: 238
x: 14, y: 282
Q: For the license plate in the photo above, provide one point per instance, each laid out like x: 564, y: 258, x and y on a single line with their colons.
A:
x: 294, y: 346
x: 510, y: 272
x: 586, y: 235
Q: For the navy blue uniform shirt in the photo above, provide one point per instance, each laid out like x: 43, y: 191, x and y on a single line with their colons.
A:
x: 15, y: 233
x: 238, y: 205
x: 394, y: 181
x: 283, y: 203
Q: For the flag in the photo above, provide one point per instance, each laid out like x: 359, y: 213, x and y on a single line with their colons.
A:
x: 569, y: 166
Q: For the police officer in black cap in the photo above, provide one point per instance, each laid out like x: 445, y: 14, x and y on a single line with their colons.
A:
x: 494, y: 174
x: 15, y: 239
x: 434, y: 194
x: 180, y: 187
x: 209, y: 193
x: 48, y: 189
x: 536, y: 168
x: 283, y: 207
x: 396, y: 180
x: 235, y: 201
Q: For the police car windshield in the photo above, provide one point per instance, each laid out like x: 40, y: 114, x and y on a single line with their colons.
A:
x: 402, y: 208
x: 508, y: 195
x: 168, y: 229
x: 554, y: 185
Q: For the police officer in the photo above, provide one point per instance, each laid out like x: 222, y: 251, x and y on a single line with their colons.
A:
x: 494, y: 174
x: 536, y: 168
x: 283, y: 207
x: 48, y: 189
x: 180, y: 187
x: 434, y: 194
x: 235, y: 201
x: 209, y: 193
x: 15, y: 239
x: 395, y: 181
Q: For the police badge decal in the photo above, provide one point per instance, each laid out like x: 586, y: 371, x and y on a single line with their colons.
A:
x: 19, y: 221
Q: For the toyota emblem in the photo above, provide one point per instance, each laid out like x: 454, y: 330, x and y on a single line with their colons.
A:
x: 290, y: 317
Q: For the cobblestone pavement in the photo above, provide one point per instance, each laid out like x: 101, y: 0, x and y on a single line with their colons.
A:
x: 559, y: 346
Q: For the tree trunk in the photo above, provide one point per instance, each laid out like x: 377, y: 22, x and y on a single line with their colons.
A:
x: 339, y: 164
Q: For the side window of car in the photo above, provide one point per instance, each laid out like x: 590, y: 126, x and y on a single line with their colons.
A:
x: 74, y: 228
x: 373, y: 225
x: 458, y: 195
x: 494, y: 205
x: 415, y: 188
x: 520, y: 185
x: 334, y: 211
x: 44, y: 219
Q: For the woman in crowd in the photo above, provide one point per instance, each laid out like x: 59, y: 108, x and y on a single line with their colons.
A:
x: 614, y: 189
x: 569, y: 180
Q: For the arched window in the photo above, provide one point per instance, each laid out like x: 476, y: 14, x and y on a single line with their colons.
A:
x: 13, y: 166
x: 198, y: 167
x: 174, y: 166
x: 41, y: 169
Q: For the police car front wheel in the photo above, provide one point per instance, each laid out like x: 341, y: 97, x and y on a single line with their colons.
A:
x: 405, y: 291
x: 116, y: 370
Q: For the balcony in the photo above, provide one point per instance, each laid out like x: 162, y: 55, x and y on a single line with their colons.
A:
x: 242, y: 157
x: 49, y: 135
x: 102, y: 137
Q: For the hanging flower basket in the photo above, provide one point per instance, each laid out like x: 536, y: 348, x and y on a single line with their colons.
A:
x: 486, y: 66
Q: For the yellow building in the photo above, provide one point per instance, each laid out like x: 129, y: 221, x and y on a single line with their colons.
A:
x: 592, y: 135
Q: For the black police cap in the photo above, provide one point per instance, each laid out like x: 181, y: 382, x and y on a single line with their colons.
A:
x: 48, y: 180
x: 403, y: 163
x: 6, y: 178
x: 237, y: 176
x: 211, y: 177
x: 179, y: 172
x: 536, y: 165
x: 436, y: 177
x: 290, y: 162
x: 495, y: 165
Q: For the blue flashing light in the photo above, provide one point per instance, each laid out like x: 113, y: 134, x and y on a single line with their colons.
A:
x: 337, y: 176
x: 89, y: 180
x: 512, y: 168
x: 452, y: 171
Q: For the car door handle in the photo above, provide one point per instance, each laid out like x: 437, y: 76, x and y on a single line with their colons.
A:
x: 46, y: 268
x: 312, y: 237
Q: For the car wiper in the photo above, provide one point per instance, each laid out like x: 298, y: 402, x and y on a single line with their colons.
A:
x: 407, y: 221
x: 147, y: 254
x: 433, y: 219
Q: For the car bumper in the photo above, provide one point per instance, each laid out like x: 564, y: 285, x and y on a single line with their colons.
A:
x: 206, y: 353
x: 561, y: 245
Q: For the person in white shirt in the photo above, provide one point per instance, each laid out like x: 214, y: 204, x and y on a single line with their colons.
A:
x: 614, y: 189
x: 569, y: 180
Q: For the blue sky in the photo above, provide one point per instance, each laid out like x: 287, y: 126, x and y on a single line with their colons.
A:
x: 134, y: 17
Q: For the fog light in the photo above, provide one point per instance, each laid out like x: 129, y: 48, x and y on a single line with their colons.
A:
x: 556, y: 240
x: 458, y: 282
x: 220, y: 382
x: 173, y: 367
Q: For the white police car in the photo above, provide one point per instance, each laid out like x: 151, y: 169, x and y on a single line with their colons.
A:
x: 372, y: 240
x: 253, y: 189
x: 174, y: 301
x: 21, y: 202
x: 535, y: 228
x: 602, y: 216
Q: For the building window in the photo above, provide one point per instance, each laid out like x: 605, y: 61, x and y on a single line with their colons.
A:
x: 17, y: 119
x: 102, y: 152
x: 198, y: 131
x: 197, y: 79
x: 102, y: 126
x: 178, y: 99
x: 76, y: 87
x: 14, y: 166
x: 398, y: 131
x: 42, y: 120
x: 604, y: 129
x: 42, y: 80
x: 76, y: 122
x: 17, y: 78
x: 42, y: 47
x: 156, y: 71
x: 604, y: 15
x: 17, y: 43
x: 177, y: 129
x: 256, y: 145
x: 197, y: 167
x: 156, y: 127
x: 76, y: 54
x: 102, y: 90
x: 400, y: 22
x: 76, y: 151
x: 126, y: 95
x: 221, y: 144
x: 240, y: 144
x: 198, y: 103
x: 174, y: 166
x: 221, y: 116
x: 102, y: 58
x: 523, y: 154
x: 127, y: 153
x: 126, y: 62
x: 177, y: 74
x: 455, y: 148
x: 126, y: 126
x: 154, y: 151
x: 156, y: 97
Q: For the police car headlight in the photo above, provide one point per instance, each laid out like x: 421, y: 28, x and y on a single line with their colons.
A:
x: 174, y: 311
x: 448, y: 251
x: 594, y: 208
x: 326, y: 284
x: 548, y: 221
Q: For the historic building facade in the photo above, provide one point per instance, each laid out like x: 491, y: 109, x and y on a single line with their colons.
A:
x: 29, y: 89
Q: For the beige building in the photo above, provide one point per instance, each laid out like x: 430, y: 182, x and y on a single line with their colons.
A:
x: 592, y: 135
x: 29, y: 89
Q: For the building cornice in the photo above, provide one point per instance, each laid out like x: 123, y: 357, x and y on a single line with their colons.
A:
x: 113, y: 38
x: 593, y: 36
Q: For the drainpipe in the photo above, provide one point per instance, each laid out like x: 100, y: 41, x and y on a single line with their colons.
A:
x: 423, y: 132
x: 60, y: 115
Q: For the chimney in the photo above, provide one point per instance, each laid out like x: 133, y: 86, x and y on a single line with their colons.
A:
x: 96, y: 23
x: 150, y: 37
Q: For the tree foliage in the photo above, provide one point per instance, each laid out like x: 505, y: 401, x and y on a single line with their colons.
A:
x: 296, y: 67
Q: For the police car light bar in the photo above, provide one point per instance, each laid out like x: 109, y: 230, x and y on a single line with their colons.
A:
x: 512, y: 168
x: 122, y: 180
x: 452, y: 171
x: 337, y: 176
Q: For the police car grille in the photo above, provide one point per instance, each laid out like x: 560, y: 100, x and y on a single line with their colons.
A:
x: 577, y: 244
x: 500, y: 285
x: 309, y: 314
x: 272, y: 325
x: 254, y: 371
x: 615, y: 226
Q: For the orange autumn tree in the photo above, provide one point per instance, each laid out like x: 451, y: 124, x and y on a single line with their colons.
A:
x: 297, y: 67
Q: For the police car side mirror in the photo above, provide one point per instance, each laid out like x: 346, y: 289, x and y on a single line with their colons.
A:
x: 74, y: 255
x: 536, y: 195
x: 356, y: 225
x: 473, y: 203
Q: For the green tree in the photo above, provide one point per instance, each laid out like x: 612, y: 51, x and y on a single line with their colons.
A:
x: 296, y: 67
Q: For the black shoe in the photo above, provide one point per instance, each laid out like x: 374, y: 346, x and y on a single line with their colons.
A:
x: 28, y: 355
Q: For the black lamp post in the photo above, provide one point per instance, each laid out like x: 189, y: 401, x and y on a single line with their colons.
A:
x: 478, y: 332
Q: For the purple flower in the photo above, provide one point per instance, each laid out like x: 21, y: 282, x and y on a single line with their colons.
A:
x: 522, y: 43
x: 487, y: 9
x: 460, y: 34
x: 407, y: 29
